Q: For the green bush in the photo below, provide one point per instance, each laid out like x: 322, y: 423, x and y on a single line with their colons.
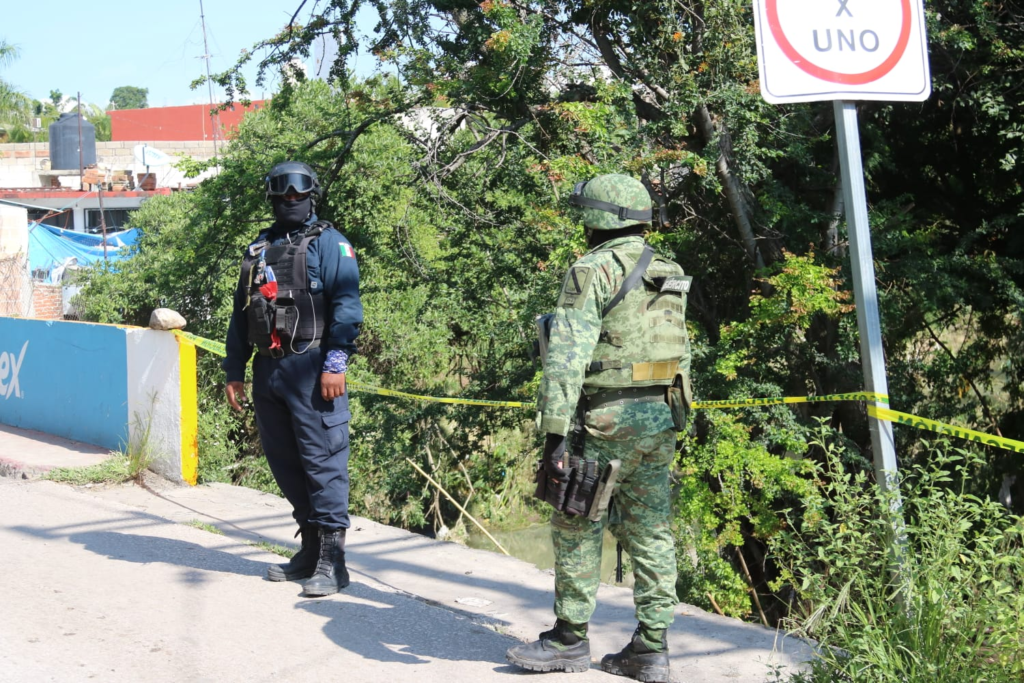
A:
x: 731, y: 487
x: 956, y: 610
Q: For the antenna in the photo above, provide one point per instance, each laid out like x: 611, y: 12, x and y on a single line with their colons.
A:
x: 209, y: 83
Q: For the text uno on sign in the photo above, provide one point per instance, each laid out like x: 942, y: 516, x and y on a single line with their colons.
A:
x: 841, y: 49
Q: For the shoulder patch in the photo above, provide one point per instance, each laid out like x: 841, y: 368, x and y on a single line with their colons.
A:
x: 346, y: 250
x: 576, y: 286
x: 677, y: 284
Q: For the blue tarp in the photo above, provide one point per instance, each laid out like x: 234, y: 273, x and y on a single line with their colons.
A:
x: 51, y: 248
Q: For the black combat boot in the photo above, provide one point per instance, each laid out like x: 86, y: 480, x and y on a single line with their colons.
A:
x: 639, y: 661
x: 303, y: 563
x: 559, y: 649
x: 330, y: 575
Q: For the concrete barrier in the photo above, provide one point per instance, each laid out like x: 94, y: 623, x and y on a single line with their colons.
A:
x: 112, y: 386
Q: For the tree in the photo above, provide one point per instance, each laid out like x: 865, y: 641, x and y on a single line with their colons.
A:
x: 14, y: 105
x: 523, y: 98
x: 100, y: 121
x: 128, y: 97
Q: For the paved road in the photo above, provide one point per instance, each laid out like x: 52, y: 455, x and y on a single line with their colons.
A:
x: 112, y: 584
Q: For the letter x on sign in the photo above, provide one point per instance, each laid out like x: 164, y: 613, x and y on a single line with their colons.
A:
x: 843, y: 8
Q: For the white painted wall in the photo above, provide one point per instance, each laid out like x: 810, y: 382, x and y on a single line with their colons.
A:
x: 18, y: 176
x: 13, y: 230
x: 154, y: 398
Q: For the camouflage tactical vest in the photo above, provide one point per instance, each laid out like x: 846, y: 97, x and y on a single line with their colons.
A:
x: 643, y: 339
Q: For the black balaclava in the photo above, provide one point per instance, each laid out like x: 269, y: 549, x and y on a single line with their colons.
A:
x: 292, y: 214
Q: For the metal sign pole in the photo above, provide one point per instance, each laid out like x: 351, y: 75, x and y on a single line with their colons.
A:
x: 868, y: 324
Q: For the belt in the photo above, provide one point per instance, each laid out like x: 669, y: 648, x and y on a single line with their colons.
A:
x: 626, y: 396
x: 642, y: 372
x: 282, y: 352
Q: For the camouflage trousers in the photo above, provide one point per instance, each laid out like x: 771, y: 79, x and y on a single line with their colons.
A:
x: 640, y: 519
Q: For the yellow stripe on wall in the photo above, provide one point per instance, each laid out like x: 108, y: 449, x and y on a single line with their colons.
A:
x: 189, y: 411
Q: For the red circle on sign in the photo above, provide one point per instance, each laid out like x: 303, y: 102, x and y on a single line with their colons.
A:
x: 771, y: 7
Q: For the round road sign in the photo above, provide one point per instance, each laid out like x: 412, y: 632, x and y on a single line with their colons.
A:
x: 841, y: 49
x: 868, y: 38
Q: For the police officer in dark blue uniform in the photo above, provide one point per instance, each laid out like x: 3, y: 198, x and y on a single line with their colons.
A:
x: 297, y: 304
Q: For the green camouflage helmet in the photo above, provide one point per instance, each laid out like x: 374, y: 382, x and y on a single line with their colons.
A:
x: 612, y: 201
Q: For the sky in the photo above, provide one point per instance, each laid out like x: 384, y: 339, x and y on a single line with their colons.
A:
x: 92, y: 48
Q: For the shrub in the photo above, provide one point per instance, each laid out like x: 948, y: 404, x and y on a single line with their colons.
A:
x: 953, y: 612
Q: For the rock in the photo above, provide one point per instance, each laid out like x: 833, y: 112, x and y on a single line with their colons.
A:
x: 166, y: 319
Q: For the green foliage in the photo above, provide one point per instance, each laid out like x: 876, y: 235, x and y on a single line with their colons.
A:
x: 14, y: 105
x: 100, y: 122
x: 462, y: 235
x: 730, y: 488
x: 446, y: 313
x: 954, y: 613
x: 114, y: 470
x: 129, y: 97
x: 204, y: 526
x: 220, y: 450
x: 127, y: 465
x: 139, y: 449
x: 273, y: 548
x: 778, y: 325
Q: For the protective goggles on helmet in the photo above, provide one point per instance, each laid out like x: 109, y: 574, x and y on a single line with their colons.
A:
x: 624, y: 213
x: 289, y: 183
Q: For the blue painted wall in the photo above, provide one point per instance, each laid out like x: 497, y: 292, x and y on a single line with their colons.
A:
x: 64, y: 378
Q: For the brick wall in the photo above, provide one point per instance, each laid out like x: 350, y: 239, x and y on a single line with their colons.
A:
x: 117, y: 154
x: 20, y: 161
x: 47, y: 303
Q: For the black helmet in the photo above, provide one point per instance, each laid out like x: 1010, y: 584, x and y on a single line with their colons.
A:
x: 292, y: 176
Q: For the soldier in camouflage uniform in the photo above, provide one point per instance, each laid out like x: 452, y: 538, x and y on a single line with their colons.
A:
x: 631, y: 363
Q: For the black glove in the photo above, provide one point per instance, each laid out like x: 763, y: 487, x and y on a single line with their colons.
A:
x: 554, y: 449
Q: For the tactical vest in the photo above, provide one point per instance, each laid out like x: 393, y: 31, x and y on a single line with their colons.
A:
x: 643, y: 340
x: 297, y: 314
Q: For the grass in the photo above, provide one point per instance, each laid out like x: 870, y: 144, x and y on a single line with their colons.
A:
x: 955, y: 615
x: 114, y: 470
x: 272, y: 548
x: 138, y: 452
x: 196, y: 524
x: 121, y: 466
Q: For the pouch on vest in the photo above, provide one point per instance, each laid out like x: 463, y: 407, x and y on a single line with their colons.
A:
x: 287, y: 319
x: 261, y: 314
x: 678, y: 397
x: 606, y: 487
x: 582, y: 488
x: 550, y: 490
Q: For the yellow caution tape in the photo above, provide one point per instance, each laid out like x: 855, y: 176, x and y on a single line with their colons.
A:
x: 220, y: 350
x: 943, y: 428
x: 211, y: 346
x: 778, y: 400
x: 877, y: 412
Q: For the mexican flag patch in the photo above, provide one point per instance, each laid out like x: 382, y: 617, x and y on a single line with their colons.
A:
x: 346, y: 250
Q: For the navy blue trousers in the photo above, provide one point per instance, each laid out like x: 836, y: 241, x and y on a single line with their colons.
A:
x: 305, y: 438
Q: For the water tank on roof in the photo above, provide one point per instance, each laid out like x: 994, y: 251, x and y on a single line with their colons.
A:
x: 64, y: 143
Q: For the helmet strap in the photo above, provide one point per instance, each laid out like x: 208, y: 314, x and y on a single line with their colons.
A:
x: 624, y: 213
